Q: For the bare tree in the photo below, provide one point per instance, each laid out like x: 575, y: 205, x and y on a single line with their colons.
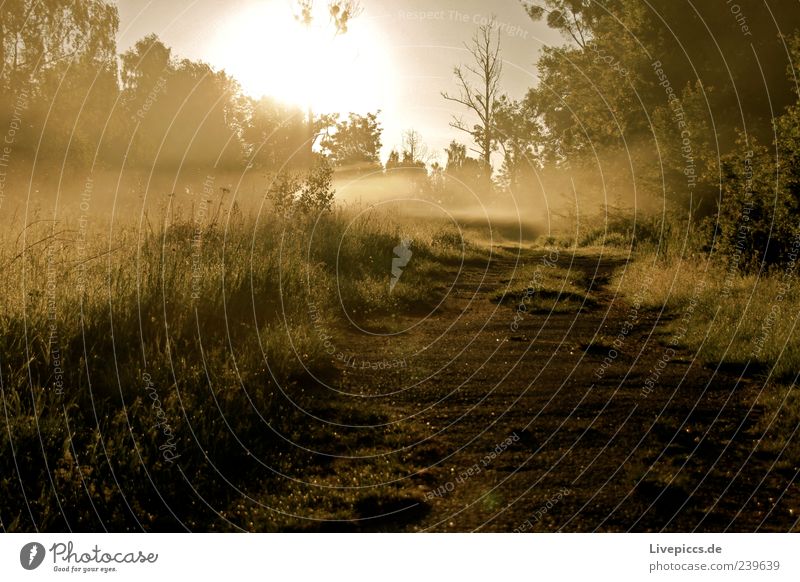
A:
x: 414, y: 147
x: 479, y: 88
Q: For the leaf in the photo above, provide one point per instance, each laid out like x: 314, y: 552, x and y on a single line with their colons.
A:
x: 555, y: 19
x: 534, y: 11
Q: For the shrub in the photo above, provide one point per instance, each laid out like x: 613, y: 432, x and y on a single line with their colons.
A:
x: 756, y: 225
x: 310, y: 194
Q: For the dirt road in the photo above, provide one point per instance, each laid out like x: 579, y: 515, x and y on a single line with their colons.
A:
x: 481, y: 416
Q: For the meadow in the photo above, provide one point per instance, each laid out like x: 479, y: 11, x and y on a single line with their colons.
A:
x: 142, y: 362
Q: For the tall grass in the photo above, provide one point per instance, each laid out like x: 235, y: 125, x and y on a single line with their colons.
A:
x: 722, y: 316
x: 739, y: 322
x: 144, y: 370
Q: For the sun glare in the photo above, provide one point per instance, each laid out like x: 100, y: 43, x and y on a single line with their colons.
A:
x: 270, y: 53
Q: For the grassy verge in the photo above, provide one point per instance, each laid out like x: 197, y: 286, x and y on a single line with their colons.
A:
x: 745, y: 324
x: 724, y: 318
x: 145, y: 373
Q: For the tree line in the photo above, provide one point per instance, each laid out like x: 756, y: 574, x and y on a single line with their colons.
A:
x: 699, y: 100
x: 79, y: 103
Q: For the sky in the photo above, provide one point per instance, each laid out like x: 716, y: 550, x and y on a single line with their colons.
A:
x: 397, y: 57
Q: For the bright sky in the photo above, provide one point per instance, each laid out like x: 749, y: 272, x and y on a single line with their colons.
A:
x: 397, y: 56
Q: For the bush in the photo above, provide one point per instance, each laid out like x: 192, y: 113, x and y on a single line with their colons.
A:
x: 619, y: 227
x: 756, y: 223
x: 309, y: 195
x: 754, y: 226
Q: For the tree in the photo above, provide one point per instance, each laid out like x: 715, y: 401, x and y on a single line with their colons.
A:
x: 412, y: 155
x: 393, y: 161
x: 59, y: 58
x: 601, y: 86
x: 183, y: 112
x: 143, y: 65
x: 354, y: 143
x: 38, y: 36
x: 415, y: 152
x: 202, y: 129
x: 666, y: 89
x: 756, y: 224
x: 521, y: 137
x: 573, y: 18
x: 413, y: 163
x: 273, y: 133
x: 479, y: 88
x: 462, y: 174
x: 341, y: 12
x: 310, y: 194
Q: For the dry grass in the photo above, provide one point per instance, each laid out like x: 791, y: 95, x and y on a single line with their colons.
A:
x: 723, y: 317
x: 192, y: 335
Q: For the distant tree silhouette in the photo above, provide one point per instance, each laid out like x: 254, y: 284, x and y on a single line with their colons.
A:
x: 479, y: 89
x: 354, y: 143
x: 273, y: 133
x: 413, y: 162
x: 462, y: 175
x: 393, y: 161
x: 182, y: 112
x: 59, y: 57
x: 415, y: 152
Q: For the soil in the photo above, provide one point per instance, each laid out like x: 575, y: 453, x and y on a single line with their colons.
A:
x: 546, y: 425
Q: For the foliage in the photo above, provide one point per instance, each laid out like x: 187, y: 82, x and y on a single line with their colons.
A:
x: 612, y: 85
x: 273, y: 134
x: 311, y: 194
x: 463, y: 175
x: 354, y: 143
x: 59, y: 61
x: 573, y: 18
x: 756, y: 225
x: 521, y: 137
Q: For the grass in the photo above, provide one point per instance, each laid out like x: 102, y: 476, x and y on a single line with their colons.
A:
x: 744, y: 324
x: 143, y: 370
x: 739, y: 323
x: 543, y: 287
x: 724, y: 318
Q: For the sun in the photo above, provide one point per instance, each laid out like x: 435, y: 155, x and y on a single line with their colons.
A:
x: 271, y: 53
